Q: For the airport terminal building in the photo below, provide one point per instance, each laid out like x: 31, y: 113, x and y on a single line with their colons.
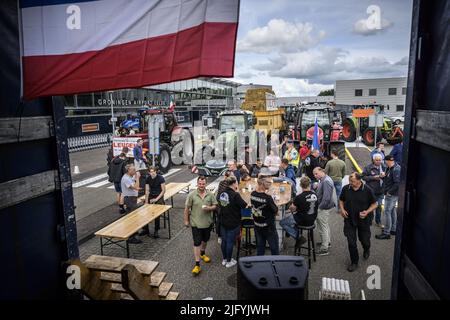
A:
x: 193, y: 99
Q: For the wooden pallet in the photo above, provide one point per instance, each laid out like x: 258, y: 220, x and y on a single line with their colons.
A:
x: 113, y: 278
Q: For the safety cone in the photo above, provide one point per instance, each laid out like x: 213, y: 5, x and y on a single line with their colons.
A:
x: 76, y: 170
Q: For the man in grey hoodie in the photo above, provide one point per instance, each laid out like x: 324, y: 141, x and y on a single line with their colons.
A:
x: 327, y: 199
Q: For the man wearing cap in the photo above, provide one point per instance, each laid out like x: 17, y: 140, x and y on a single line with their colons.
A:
x: 391, y: 183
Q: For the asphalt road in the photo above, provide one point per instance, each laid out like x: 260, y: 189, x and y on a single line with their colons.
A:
x: 95, y: 199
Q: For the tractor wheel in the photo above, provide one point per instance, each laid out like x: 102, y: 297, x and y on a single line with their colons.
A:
x: 164, y: 158
x: 393, y: 141
x: 339, y: 147
x: 188, y: 147
x: 348, y: 130
x: 369, y: 136
x: 203, y: 155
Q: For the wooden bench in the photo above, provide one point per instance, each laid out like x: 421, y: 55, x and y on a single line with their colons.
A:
x: 121, y: 230
x: 172, y: 189
x: 105, y: 278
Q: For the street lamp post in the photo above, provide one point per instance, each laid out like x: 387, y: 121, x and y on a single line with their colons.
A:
x: 113, y: 122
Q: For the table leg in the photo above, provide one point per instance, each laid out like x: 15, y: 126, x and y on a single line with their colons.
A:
x: 164, y: 218
x: 168, y: 221
x: 101, y: 246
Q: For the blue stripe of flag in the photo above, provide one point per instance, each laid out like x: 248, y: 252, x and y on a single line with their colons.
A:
x: 41, y: 3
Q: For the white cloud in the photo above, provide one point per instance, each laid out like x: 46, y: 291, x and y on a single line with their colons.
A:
x: 280, y: 36
x: 298, y: 87
x: 403, y: 62
x: 246, y: 75
x: 325, y: 65
x: 361, y: 27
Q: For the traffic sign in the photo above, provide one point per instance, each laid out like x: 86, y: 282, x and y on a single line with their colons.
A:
x: 362, y: 113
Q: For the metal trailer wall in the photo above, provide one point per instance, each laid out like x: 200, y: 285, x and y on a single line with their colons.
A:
x: 422, y: 249
x: 37, y: 222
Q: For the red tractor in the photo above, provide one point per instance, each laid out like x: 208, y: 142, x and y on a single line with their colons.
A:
x: 329, y: 131
x: 173, y: 139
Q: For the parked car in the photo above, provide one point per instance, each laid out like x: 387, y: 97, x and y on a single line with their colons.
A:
x: 398, y: 119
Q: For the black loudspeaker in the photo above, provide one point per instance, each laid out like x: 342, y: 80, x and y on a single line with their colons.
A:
x: 272, y: 278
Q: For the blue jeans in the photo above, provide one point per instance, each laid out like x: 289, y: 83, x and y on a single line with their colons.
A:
x: 378, y: 209
x: 288, y: 224
x: 270, y: 235
x: 338, y: 187
x: 390, y: 214
x: 228, y: 238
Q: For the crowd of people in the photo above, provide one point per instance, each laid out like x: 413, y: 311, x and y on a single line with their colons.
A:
x: 321, y: 194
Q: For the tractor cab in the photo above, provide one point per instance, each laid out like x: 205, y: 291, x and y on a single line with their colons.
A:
x: 235, y: 120
x: 329, y: 130
x: 306, y: 120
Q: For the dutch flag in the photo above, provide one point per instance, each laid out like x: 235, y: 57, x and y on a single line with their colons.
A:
x: 75, y: 46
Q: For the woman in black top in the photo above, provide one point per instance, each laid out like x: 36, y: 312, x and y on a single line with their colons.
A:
x: 264, y: 211
x: 231, y: 204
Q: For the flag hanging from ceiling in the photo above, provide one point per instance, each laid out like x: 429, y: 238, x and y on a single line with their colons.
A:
x: 75, y: 46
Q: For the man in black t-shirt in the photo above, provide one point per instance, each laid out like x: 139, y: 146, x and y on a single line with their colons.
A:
x: 155, y: 187
x: 311, y: 162
x: 304, y: 211
x: 357, y: 203
x: 264, y: 211
x: 230, y: 204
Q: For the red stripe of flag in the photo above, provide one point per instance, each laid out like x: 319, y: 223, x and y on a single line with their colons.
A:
x: 205, y: 50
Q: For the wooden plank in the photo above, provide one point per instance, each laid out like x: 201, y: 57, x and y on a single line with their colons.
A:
x: 125, y: 227
x: 174, y: 188
x: 126, y: 296
x: 156, y: 278
x: 136, y: 284
x: 92, y: 286
x: 22, y: 189
x: 117, y: 287
x: 111, y: 277
x: 172, y: 296
x: 164, y: 289
x: 13, y: 130
x: 115, y: 264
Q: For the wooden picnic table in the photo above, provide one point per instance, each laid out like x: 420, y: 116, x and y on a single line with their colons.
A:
x: 172, y: 189
x: 281, y: 197
x: 122, y: 229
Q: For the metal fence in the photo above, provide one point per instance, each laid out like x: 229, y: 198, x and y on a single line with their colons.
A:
x: 89, y: 142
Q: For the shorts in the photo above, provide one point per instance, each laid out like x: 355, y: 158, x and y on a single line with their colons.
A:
x: 200, y: 235
x: 118, y: 187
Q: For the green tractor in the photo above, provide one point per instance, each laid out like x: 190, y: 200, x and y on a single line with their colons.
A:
x: 229, y: 124
x: 388, y: 131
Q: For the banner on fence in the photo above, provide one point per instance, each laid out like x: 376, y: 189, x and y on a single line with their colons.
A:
x: 120, y: 142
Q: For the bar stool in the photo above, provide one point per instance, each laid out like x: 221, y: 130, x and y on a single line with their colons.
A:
x: 310, y: 240
x: 247, y: 226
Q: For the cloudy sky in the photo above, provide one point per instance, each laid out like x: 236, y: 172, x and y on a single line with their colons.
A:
x: 301, y: 47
